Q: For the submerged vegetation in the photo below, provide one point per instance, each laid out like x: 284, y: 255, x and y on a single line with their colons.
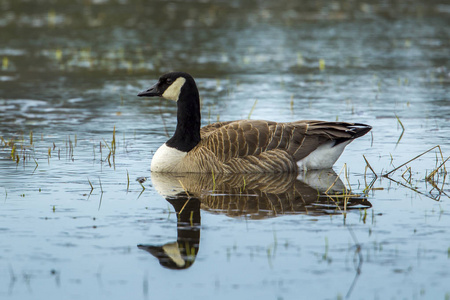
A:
x: 19, y: 149
x: 432, y: 181
x: 437, y: 177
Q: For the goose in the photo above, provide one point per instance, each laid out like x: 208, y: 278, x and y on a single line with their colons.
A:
x: 243, y: 146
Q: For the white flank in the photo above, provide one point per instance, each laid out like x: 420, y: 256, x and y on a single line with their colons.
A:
x: 173, y: 252
x: 323, y: 157
x: 174, y: 90
x: 166, y: 159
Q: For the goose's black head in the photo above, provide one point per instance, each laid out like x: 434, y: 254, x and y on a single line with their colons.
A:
x: 171, y: 85
x: 180, y: 87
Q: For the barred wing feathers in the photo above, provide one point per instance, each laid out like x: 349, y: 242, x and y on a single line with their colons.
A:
x: 255, y: 146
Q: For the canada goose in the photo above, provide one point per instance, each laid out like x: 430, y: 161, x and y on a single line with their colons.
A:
x: 243, y: 146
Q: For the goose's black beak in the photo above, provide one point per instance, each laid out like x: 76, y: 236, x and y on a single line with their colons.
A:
x: 151, y: 92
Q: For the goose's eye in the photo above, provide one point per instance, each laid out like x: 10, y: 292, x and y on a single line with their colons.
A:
x: 169, y: 80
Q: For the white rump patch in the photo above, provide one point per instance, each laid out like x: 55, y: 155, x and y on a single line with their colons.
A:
x: 323, y: 157
x: 174, y: 90
x: 167, y: 159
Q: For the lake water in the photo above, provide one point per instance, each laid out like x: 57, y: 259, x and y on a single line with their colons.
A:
x: 82, y: 217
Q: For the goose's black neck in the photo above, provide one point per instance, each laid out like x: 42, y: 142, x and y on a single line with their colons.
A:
x: 187, y: 133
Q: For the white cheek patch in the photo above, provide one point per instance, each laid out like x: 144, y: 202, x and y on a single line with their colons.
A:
x: 174, y: 90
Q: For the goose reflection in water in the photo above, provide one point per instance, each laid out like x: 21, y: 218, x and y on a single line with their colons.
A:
x: 253, y: 196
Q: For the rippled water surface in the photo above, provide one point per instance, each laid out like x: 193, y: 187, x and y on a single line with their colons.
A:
x: 82, y: 217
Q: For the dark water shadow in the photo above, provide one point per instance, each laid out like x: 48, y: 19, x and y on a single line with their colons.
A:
x: 253, y: 196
